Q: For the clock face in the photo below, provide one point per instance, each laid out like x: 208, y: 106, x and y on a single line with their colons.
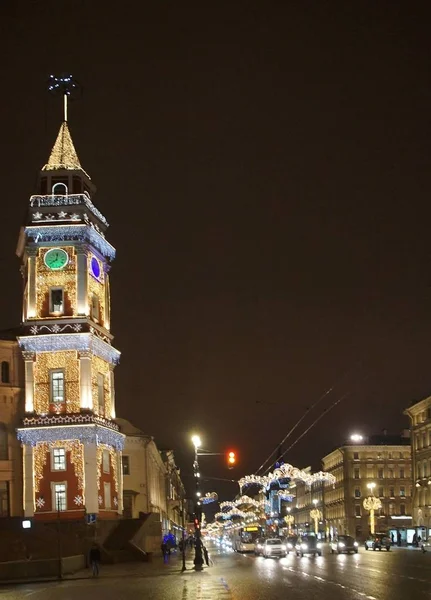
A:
x: 56, y: 259
x: 95, y: 267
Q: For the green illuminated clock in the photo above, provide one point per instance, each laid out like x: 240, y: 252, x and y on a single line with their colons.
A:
x: 56, y: 259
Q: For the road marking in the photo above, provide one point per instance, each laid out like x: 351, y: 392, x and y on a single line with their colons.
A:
x: 340, y: 585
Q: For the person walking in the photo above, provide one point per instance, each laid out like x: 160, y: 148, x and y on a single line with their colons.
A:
x: 165, y: 551
x: 95, y: 560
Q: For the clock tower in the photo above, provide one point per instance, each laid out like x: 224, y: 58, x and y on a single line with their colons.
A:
x: 71, y: 444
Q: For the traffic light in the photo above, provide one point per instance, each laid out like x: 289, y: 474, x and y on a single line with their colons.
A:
x: 231, y: 459
x: 196, y: 522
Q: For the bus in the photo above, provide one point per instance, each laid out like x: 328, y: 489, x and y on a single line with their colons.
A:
x: 244, y: 539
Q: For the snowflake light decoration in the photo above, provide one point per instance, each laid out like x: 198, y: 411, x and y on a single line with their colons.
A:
x: 115, y: 502
x: 79, y: 500
x: 40, y: 503
x: 100, y: 500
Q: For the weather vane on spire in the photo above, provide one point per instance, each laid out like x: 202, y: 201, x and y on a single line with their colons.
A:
x: 65, y: 85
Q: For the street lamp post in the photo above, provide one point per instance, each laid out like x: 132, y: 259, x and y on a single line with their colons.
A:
x: 198, y: 560
x: 289, y: 519
x: 372, y: 504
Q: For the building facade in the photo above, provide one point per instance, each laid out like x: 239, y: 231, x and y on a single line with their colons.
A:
x: 381, y: 467
x: 71, y: 443
x: 11, y: 409
x: 420, y: 427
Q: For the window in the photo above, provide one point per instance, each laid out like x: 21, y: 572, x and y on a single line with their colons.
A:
x: 95, y: 308
x: 105, y: 461
x: 58, y: 459
x: 3, y: 442
x: 402, y: 474
x: 424, y: 440
x: 101, y: 393
x: 424, y: 469
x: 4, y: 499
x: 59, y: 496
x: 357, y: 492
x: 126, y: 465
x: 417, y: 440
x: 389, y: 454
x: 107, y: 493
x: 56, y: 301
x: 356, y: 473
x: 5, y: 372
x: 380, y: 474
x: 403, y: 491
x: 391, y: 508
x: 381, y: 492
x: 392, y: 492
x: 402, y: 509
x: 57, y: 385
x: 357, y: 510
x: 356, y: 456
x: 390, y: 473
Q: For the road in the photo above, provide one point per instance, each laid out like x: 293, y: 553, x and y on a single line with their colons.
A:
x: 397, y: 575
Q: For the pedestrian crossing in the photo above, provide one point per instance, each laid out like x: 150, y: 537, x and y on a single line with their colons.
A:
x: 211, y: 589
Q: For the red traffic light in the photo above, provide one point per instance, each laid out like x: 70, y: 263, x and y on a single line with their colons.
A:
x: 231, y: 459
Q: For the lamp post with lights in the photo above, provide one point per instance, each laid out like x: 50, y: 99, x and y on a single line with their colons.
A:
x: 316, y: 515
x: 372, y: 504
x: 198, y: 560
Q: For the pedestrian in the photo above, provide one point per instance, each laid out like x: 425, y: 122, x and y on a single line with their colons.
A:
x: 399, y: 539
x: 95, y: 559
x: 205, y: 551
x: 415, y: 540
x: 165, y: 551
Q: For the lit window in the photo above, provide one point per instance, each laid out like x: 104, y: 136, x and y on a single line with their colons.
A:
x: 56, y: 301
x: 59, y: 496
x: 58, y: 459
x: 402, y: 491
x: 95, y: 308
x: 105, y: 460
x: 107, y: 491
x: 357, y: 492
x: 57, y: 385
x: 391, y: 508
x: 101, y: 393
x: 126, y: 465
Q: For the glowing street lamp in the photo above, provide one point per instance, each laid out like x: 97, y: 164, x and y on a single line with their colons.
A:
x: 356, y: 437
x: 196, y: 440
x: 372, y: 504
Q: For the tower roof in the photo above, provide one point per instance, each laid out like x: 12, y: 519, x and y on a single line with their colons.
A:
x: 63, y: 154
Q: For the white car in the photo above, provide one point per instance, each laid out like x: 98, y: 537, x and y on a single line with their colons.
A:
x: 274, y: 547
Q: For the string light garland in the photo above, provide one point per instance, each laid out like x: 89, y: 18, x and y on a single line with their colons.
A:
x: 101, y: 367
x: 286, y: 471
x: 46, y: 279
x: 68, y: 200
x: 70, y: 233
x: 70, y: 341
x: 101, y: 448
x: 44, y: 364
x: 87, y: 434
x: 209, y: 498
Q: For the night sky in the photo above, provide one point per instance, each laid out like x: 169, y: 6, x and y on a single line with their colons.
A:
x: 265, y: 170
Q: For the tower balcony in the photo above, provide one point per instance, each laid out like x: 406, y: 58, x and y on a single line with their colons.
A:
x: 75, y: 202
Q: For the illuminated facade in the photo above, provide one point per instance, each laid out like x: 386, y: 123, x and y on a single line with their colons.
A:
x: 71, y: 443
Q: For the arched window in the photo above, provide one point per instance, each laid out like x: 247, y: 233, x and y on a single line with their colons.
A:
x: 5, y: 372
x: 3, y: 442
x: 59, y: 188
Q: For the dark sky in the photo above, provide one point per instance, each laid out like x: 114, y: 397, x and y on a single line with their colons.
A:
x: 266, y: 172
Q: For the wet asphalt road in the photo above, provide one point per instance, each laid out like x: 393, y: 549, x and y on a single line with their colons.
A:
x: 396, y: 575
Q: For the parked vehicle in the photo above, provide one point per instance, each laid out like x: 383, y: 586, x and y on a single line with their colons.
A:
x: 377, y: 541
x: 274, y: 547
x: 308, y: 544
x: 344, y: 543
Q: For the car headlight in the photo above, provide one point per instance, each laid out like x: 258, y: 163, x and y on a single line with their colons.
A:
x: 304, y: 546
x: 289, y: 546
x: 319, y: 545
x: 341, y: 544
x: 356, y: 544
x: 284, y: 548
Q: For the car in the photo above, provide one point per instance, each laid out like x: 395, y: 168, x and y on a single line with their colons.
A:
x: 258, y: 547
x: 274, y: 547
x: 291, y: 542
x: 426, y: 545
x: 308, y: 544
x: 377, y: 541
x: 344, y: 543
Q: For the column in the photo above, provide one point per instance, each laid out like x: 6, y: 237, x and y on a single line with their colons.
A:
x: 112, y: 388
x: 91, y: 478
x: 120, y: 482
x: 86, y: 396
x: 107, y: 315
x: 28, y: 476
x: 82, y: 281
x: 31, y: 284
x: 29, y: 358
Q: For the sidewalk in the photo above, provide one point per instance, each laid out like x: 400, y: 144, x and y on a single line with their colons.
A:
x: 153, y: 568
